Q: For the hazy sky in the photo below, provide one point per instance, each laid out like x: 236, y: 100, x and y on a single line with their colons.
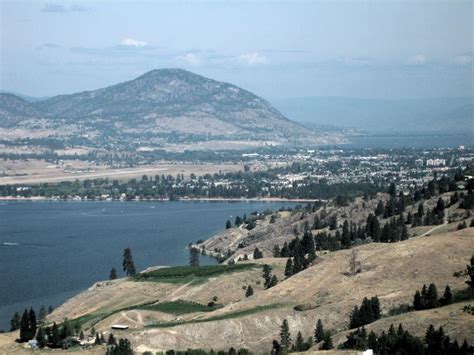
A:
x: 383, y: 49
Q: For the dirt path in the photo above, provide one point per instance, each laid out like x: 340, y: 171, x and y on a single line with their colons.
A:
x: 445, y: 222
x: 173, y: 295
x: 139, y: 320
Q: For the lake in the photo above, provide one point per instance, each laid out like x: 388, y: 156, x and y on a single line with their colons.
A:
x: 52, y: 250
x: 421, y: 141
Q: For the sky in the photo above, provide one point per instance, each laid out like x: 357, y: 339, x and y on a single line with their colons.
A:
x: 280, y: 49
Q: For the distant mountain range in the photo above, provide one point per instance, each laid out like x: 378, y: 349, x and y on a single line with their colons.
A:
x: 430, y: 115
x: 159, y: 103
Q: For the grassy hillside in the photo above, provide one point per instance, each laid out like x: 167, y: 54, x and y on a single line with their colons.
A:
x: 324, y: 291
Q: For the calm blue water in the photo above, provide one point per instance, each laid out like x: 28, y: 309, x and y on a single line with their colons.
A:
x: 56, y: 249
x: 410, y: 141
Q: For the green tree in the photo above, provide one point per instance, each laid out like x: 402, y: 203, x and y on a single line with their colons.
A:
x: 273, y: 281
x: 66, y: 329
x: 421, y: 210
x: 194, y: 257
x: 25, y: 327
x: 276, y: 251
x: 319, y: 331
x: 418, y: 303
x: 267, y: 275
x: 55, y: 339
x: 113, y: 274
x: 32, y: 326
x: 111, y: 340
x: 257, y: 254
x: 299, y: 343
x: 15, y: 322
x: 249, y: 291
x: 228, y: 225
x: 285, y: 336
x: 431, y: 300
x: 128, y: 264
x: 346, y: 237
x: 289, y: 268
x: 42, y: 315
x: 447, y: 296
x: 122, y: 348
x: 41, y: 337
x: 327, y: 342
x: 470, y: 273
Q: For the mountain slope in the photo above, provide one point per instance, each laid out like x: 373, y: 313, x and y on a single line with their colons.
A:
x: 14, y: 109
x: 160, y: 108
x: 160, y: 96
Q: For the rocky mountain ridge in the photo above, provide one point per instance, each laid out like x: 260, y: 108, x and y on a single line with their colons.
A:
x: 163, y: 102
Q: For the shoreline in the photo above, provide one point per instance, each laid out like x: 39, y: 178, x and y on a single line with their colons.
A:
x: 202, y: 199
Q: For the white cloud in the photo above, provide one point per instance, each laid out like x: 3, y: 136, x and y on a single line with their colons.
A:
x: 252, y: 59
x: 189, y: 59
x: 418, y: 59
x: 59, y: 8
x: 130, y: 42
x: 463, y: 59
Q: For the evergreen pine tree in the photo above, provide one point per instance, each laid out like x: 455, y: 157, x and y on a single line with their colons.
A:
x: 111, y: 340
x: 228, y: 225
x: 470, y: 273
x: 421, y: 210
x: 273, y: 281
x: 55, y: 340
x: 42, y: 315
x: 32, y: 326
x: 267, y: 275
x: 257, y: 254
x: 380, y: 208
x: 447, y: 296
x: 24, y: 327
x: 128, y: 264
x: 285, y: 336
x: 41, y: 337
x: 327, y: 342
x: 194, y: 257
x: 319, y: 331
x: 276, y: 251
x: 289, y: 268
x: 297, y: 264
x: 285, y: 252
x: 113, y: 274
x: 299, y: 343
x: 122, y: 348
x: 15, y: 322
x: 418, y: 301
x: 249, y: 291
x: 346, y: 237
x: 431, y: 300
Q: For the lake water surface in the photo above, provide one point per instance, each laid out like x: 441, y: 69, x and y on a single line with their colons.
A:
x: 51, y: 250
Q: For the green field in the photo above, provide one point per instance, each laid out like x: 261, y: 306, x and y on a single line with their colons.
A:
x: 185, y: 274
x: 179, y: 307
x: 229, y: 315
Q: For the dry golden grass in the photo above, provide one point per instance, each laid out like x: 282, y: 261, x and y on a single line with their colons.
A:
x: 393, y: 272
